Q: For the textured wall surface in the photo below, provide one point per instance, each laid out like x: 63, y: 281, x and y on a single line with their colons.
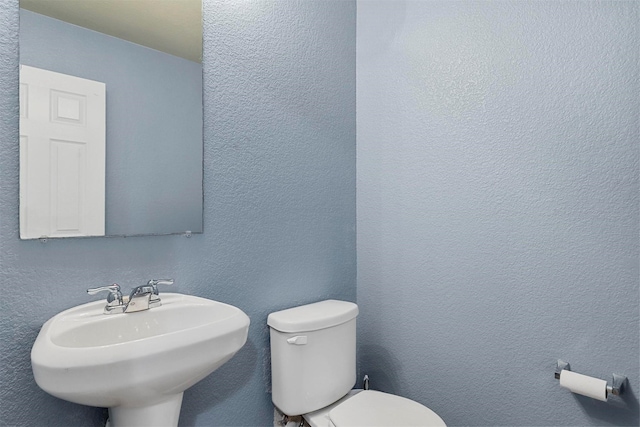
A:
x: 154, y: 122
x: 279, y: 216
x: 497, y: 189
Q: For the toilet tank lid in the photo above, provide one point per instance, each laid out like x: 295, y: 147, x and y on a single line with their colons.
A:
x: 311, y: 317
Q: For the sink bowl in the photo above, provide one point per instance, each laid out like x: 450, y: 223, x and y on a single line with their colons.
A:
x: 136, y: 364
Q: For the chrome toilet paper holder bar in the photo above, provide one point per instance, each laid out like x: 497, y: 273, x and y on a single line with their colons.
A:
x: 617, y: 383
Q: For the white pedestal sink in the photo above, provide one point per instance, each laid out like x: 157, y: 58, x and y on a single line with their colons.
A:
x: 136, y: 364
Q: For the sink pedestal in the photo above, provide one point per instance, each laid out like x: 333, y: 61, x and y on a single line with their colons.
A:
x: 162, y: 414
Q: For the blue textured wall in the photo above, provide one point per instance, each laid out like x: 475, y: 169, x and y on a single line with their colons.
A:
x: 497, y: 158
x: 154, y: 122
x: 279, y: 210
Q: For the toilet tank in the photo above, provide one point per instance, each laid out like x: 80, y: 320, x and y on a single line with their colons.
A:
x: 313, y: 355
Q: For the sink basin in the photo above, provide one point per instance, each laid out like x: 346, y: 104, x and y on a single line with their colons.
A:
x: 136, y: 364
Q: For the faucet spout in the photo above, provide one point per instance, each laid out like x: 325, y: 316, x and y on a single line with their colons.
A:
x: 144, y: 297
x: 140, y: 298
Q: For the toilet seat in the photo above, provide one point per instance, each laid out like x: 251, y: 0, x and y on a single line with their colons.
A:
x: 371, y: 408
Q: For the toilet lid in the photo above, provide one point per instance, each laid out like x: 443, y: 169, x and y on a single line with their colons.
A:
x: 376, y: 409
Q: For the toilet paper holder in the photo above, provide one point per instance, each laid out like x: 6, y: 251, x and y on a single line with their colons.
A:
x: 617, y: 383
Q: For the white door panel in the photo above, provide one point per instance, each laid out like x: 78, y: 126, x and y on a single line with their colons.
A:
x: 62, y: 155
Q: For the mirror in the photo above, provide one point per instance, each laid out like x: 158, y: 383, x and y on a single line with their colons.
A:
x: 144, y: 58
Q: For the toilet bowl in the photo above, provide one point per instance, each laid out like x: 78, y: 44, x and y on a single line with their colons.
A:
x: 373, y: 409
x: 313, y: 371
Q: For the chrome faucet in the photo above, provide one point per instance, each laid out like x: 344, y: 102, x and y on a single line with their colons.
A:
x: 141, y: 298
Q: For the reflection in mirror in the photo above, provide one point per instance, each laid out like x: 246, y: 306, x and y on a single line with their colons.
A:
x: 129, y: 163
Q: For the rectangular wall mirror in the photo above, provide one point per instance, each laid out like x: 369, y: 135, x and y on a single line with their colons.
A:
x: 110, y: 118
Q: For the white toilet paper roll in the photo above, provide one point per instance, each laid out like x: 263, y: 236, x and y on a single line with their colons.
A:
x: 584, y: 385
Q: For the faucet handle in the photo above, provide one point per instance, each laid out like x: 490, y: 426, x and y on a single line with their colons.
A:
x: 155, y: 282
x: 111, y: 288
x: 114, y: 292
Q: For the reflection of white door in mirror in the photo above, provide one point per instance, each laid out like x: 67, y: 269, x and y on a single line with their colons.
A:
x: 62, y: 155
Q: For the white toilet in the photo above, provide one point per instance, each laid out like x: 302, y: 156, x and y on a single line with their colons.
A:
x: 313, y: 368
